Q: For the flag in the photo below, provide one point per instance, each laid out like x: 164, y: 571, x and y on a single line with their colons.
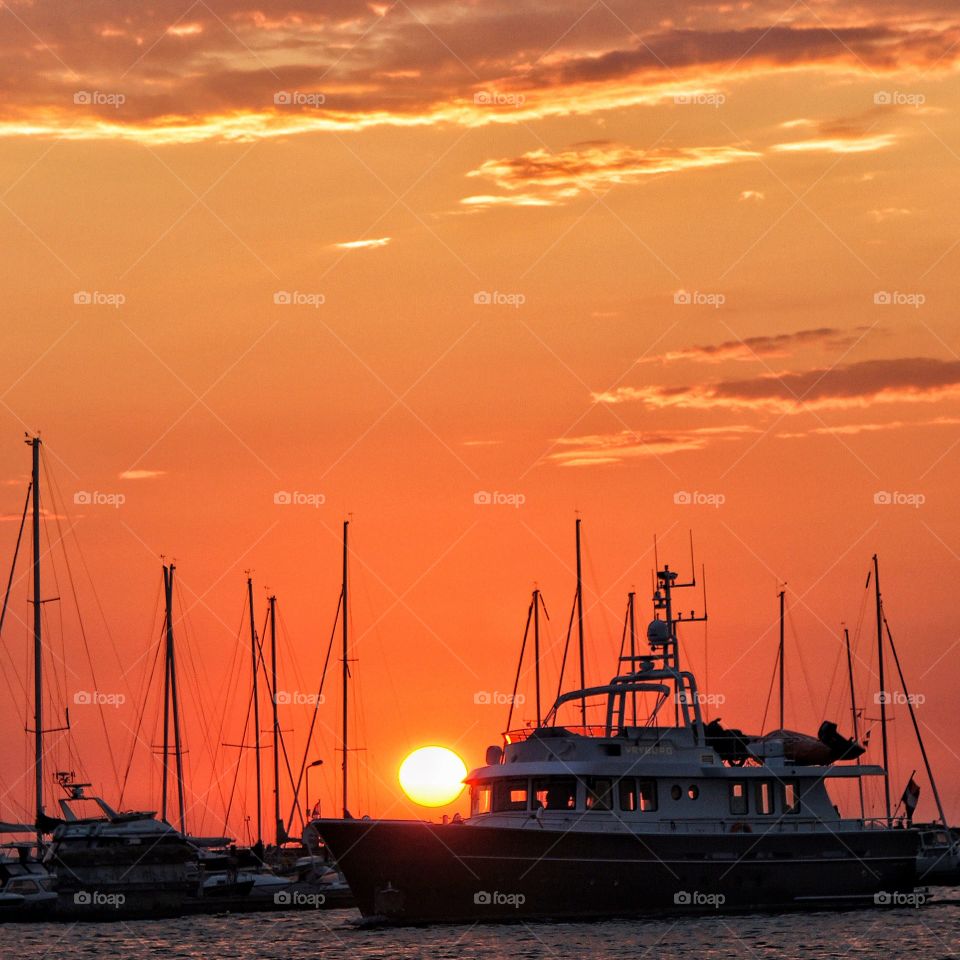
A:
x: 910, y: 797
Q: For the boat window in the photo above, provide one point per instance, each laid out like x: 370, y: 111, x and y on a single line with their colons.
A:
x: 676, y: 792
x: 738, y: 798
x: 648, y: 795
x: 763, y: 795
x: 791, y: 796
x: 637, y: 795
x: 555, y: 793
x: 480, y: 796
x: 693, y: 791
x: 510, y: 795
x: 599, y: 794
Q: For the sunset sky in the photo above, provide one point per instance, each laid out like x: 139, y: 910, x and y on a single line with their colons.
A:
x: 676, y: 266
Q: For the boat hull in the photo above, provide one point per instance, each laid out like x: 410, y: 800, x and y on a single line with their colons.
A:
x: 414, y: 872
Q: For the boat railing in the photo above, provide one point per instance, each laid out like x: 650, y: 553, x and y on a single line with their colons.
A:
x: 524, y: 733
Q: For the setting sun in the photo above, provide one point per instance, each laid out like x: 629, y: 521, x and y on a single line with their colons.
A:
x: 432, y: 776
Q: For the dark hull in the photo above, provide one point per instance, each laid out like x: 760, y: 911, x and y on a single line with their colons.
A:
x: 413, y: 872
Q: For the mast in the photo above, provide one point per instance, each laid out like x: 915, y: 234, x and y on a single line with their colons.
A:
x: 883, y: 689
x: 256, y: 712
x: 34, y: 442
x: 171, y: 689
x: 166, y: 695
x: 276, y: 721
x: 346, y: 666
x: 536, y: 646
x: 632, y: 627
x: 782, y: 592
x: 583, y: 684
x: 853, y: 712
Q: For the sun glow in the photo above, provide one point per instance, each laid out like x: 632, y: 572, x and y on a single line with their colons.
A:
x: 432, y: 776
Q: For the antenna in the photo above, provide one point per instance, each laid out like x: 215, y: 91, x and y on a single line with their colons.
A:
x: 693, y: 566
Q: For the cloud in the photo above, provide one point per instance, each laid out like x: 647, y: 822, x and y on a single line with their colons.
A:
x: 141, y: 474
x: 543, y: 178
x: 753, y: 348
x: 611, y: 448
x: 902, y: 380
x: 208, y: 73
x: 364, y: 244
x: 852, y: 429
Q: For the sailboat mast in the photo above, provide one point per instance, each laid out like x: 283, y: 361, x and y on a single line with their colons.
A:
x: 782, y: 592
x: 536, y: 647
x: 37, y: 642
x: 276, y: 721
x: 166, y: 693
x: 174, y: 697
x: 583, y: 684
x: 883, y: 689
x: 346, y: 667
x: 853, y: 711
x: 632, y: 627
x: 256, y: 710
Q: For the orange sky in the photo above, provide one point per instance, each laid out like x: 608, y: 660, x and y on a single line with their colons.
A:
x: 395, y: 254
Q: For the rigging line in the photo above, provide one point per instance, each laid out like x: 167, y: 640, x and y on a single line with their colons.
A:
x: 268, y: 681
x: 6, y: 595
x: 236, y: 773
x: 192, y: 674
x: 72, y: 530
x: 142, y: 697
x: 316, y: 706
x: 773, y: 677
x: 83, y: 633
x: 230, y: 686
x: 566, y: 646
x: 523, y: 647
x: 141, y: 716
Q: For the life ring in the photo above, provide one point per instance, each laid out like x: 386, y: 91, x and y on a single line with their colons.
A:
x: 741, y: 826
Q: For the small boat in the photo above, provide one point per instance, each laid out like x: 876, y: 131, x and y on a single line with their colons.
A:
x: 26, y: 887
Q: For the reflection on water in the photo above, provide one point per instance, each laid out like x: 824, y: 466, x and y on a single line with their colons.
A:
x: 931, y: 932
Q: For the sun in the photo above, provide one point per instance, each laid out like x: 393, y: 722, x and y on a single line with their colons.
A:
x: 432, y: 776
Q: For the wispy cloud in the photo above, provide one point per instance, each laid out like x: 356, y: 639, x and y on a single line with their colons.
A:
x: 141, y: 474
x: 902, y: 380
x: 541, y: 178
x: 602, y: 449
x: 364, y: 244
x: 764, y: 346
